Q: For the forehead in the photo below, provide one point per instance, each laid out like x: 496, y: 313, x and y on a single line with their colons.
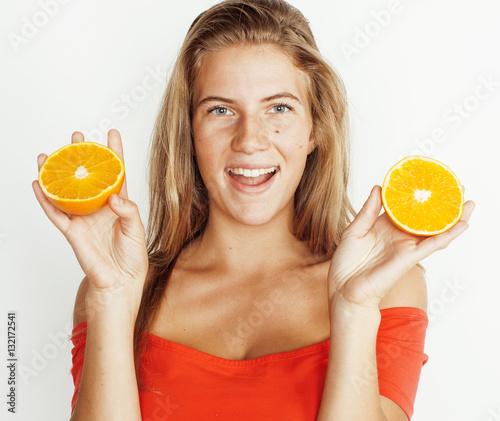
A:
x: 249, y: 72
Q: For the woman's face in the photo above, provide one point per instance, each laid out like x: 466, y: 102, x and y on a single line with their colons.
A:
x: 251, y: 116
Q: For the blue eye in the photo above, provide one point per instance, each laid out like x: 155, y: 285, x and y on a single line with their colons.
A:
x: 220, y: 111
x: 280, y: 109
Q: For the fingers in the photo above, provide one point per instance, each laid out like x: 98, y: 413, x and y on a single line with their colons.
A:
x: 40, y: 160
x: 128, y: 212
x: 115, y: 143
x: 468, y: 209
x: 57, y: 217
x: 441, y: 241
x: 367, y: 215
x: 77, y: 137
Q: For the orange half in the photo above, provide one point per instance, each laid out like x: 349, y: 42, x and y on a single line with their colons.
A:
x: 78, y: 178
x: 422, y: 196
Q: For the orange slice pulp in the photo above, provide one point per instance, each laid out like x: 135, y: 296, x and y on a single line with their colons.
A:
x: 422, y: 196
x: 78, y: 178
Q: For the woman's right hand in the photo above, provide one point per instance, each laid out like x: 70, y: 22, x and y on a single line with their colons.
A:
x: 110, y: 244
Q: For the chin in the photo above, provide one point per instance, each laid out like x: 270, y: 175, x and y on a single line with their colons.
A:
x: 255, y: 215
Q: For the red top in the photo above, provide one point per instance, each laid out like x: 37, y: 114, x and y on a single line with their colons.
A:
x: 284, y: 386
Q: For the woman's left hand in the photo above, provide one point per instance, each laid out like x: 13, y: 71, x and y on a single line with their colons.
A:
x: 373, y: 254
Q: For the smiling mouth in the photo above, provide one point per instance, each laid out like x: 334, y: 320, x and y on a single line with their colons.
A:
x: 253, y: 177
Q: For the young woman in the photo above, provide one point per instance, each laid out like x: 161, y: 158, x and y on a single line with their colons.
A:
x: 255, y: 296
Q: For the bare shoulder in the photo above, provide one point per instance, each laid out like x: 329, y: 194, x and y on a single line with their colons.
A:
x: 79, y: 313
x: 409, y: 291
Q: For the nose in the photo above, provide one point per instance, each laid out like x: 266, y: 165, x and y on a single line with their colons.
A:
x: 250, y: 136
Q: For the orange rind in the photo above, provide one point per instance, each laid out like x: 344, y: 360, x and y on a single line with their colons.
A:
x: 78, y: 178
x: 422, y: 196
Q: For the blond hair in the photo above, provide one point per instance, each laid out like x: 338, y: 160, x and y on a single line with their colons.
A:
x: 178, y: 196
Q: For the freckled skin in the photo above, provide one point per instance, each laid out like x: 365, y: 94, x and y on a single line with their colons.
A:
x: 240, y: 125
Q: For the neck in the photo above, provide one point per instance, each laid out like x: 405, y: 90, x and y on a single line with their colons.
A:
x: 232, y: 247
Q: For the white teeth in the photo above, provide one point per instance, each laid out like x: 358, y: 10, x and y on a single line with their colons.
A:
x: 252, y: 173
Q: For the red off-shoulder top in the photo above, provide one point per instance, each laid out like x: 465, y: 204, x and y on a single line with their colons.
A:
x: 194, y: 385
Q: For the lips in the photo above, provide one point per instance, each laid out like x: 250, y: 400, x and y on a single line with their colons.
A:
x: 252, y: 181
x: 251, y: 184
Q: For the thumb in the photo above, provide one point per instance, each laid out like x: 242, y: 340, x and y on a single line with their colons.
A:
x: 128, y: 212
x: 368, y: 214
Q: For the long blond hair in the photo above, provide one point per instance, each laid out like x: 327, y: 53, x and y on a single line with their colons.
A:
x: 178, y: 196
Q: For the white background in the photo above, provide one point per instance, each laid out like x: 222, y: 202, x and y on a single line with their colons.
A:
x: 71, y: 74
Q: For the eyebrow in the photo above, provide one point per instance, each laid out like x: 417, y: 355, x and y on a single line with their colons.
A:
x: 267, y: 99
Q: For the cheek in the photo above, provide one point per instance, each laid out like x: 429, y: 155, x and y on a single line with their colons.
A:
x: 205, y: 140
x: 212, y: 134
x: 204, y: 154
x: 291, y: 137
x: 208, y: 152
